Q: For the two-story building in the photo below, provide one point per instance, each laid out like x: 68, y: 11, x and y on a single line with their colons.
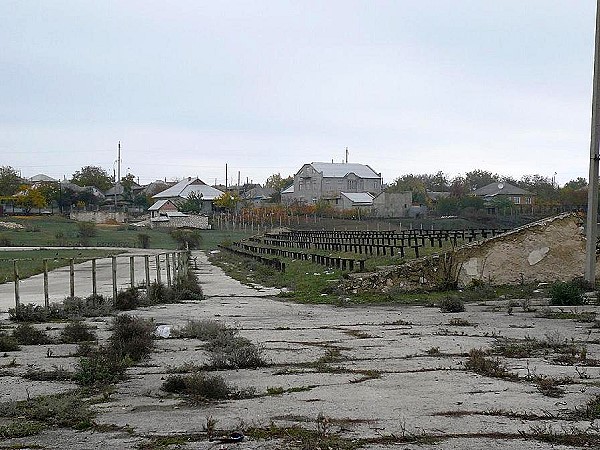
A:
x: 327, y: 181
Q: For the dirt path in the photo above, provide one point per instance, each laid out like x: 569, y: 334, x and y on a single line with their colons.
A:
x: 389, y: 377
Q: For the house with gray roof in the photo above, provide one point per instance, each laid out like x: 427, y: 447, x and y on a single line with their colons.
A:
x: 42, y: 178
x: 495, y: 194
x: 350, y: 200
x: 326, y: 181
x: 191, y: 187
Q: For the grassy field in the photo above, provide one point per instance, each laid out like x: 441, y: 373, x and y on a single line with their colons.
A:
x: 56, y: 231
x: 30, y: 262
x: 59, y: 231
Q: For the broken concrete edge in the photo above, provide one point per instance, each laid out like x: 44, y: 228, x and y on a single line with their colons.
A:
x: 548, y: 250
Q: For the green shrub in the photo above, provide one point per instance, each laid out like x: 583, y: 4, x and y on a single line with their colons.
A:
x: 100, y: 366
x: 59, y: 410
x: 29, y: 313
x: 8, y: 343
x: 159, y: 293
x: 187, y: 239
x: 91, y: 306
x: 20, y: 428
x: 144, y: 240
x: 86, y: 230
x: 77, y: 331
x: 229, y: 351
x: 128, y: 299
x: 188, y: 288
x: 198, y: 385
x: 26, y: 334
x: 452, y: 304
x: 204, y: 330
x: 132, y: 337
x: 566, y: 293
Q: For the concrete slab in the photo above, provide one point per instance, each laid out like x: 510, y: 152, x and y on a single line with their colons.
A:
x: 387, y: 380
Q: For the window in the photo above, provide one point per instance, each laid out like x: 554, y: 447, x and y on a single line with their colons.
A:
x: 528, y: 200
x: 517, y: 200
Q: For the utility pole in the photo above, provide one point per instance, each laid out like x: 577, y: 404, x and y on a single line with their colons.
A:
x: 592, y: 210
x: 346, y: 155
x: 226, y: 176
x: 118, y: 180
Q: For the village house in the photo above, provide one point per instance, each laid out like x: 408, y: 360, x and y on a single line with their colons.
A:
x: 326, y: 181
x: 497, y: 195
x: 187, y: 187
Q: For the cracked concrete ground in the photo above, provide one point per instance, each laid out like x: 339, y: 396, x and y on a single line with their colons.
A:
x: 399, y: 371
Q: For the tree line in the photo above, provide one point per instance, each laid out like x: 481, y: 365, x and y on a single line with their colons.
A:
x: 547, y: 192
x: 19, y: 191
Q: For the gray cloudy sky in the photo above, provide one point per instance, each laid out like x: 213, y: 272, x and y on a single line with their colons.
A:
x: 409, y: 86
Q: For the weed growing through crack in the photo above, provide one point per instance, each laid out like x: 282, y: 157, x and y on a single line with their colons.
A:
x: 58, y: 373
x: 479, y: 363
x: 433, y: 351
x: 20, y: 428
x: 570, y: 436
x: 459, y: 322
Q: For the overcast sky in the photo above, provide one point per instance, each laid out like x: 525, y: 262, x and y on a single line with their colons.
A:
x: 409, y: 86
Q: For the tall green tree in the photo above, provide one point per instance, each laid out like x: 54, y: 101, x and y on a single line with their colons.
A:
x: 547, y: 193
x: 227, y: 201
x: 29, y: 199
x: 476, y: 179
x: 128, y: 182
x: 277, y: 182
x: 92, y: 176
x: 412, y: 183
x: 192, y: 204
x: 10, y: 181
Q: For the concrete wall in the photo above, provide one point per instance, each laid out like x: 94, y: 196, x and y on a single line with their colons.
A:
x: 546, y: 251
x: 191, y: 221
x: 392, y: 204
x: 98, y: 216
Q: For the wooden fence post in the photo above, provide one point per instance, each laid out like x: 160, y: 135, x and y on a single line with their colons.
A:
x: 16, y: 276
x: 175, y: 267
x: 46, y: 296
x: 94, y: 279
x: 168, y: 269
x: 114, y: 278
x: 132, y: 271
x: 147, y: 270
x: 158, y: 278
x: 72, y: 277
